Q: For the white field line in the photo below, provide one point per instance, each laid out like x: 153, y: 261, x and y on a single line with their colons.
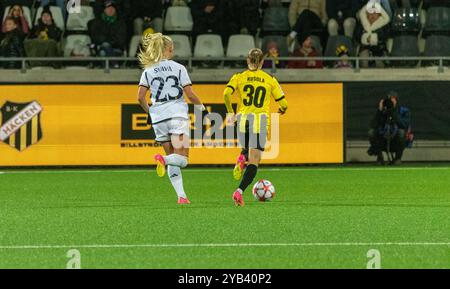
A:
x: 226, y: 245
x: 212, y: 170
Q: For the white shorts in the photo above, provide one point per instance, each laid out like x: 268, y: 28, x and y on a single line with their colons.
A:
x: 177, y: 126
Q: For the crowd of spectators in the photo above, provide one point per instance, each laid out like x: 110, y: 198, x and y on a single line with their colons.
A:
x: 365, y: 23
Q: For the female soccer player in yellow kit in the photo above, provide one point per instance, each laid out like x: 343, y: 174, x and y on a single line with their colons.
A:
x: 255, y: 88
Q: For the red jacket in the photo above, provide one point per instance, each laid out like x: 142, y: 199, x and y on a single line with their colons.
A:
x: 304, y: 63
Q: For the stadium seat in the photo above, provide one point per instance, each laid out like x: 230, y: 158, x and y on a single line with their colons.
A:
x: 26, y: 13
x: 178, y: 19
x: 335, y: 41
x: 72, y: 40
x: 57, y: 16
x: 437, y: 45
x: 79, y: 21
x: 134, y: 45
x: 406, y: 20
x: 240, y: 45
x: 405, y: 46
x: 182, y: 45
x: 438, y: 20
x: 209, y: 45
x: 276, y: 20
x: 280, y: 40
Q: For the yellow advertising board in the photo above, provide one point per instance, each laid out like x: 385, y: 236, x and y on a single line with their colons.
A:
x: 75, y: 125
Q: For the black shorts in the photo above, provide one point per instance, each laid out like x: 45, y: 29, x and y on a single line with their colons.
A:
x: 252, y: 140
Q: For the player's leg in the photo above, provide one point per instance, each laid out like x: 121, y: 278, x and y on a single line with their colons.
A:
x: 243, y: 138
x: 177, y: 156
x: 249, y: 175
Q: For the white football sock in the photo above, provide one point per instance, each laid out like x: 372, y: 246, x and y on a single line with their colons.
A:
x: 177, y: 180
x: 176, y: 160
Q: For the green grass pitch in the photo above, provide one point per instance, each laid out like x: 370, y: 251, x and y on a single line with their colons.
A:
x: 322, y: 217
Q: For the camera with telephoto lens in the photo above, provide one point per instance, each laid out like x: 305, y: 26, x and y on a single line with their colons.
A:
x: 388, y: 106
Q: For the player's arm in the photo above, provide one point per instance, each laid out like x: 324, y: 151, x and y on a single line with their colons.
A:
x: 227, y: 98
x: 279, y: 97
x: 142, y: 93
x: 193, y: 97
x: 189, y: 91
x: 283, y: 104
x: 227, y: 94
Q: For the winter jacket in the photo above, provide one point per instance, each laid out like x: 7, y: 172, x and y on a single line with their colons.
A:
x: 11, y: 45
x: 373, y: 36
x: 112, y: 33
x: 304, y: 63
x: 50, y: 31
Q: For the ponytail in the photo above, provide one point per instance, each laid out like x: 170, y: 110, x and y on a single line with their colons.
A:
x: 153, y: 49
x: 255, y: 57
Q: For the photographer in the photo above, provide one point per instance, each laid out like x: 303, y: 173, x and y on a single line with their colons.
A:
x: 388, y: 130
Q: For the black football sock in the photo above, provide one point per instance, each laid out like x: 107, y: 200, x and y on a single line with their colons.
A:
x: 245, y: 153
x: 249, y: 176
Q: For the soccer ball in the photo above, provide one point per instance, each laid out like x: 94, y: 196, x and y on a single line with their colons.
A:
x: 263, y: 191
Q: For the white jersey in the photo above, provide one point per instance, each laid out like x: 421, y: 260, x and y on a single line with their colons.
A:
x: 166, y: 81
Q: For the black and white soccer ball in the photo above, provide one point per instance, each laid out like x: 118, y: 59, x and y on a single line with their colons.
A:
x: 263, y: 191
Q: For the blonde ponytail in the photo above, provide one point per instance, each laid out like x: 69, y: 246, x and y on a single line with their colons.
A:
x: 153, y: 49
x: 254, y: 59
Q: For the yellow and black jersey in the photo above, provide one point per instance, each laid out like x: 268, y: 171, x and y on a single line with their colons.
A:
x: 255, y: 90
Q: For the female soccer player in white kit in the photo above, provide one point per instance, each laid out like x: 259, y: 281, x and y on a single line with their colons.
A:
x: 167, y: 81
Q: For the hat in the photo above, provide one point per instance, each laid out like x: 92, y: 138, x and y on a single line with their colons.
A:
x: 341, y: 50
x: 108, y: 3
x: 373, y: 7
x: 148, y: 31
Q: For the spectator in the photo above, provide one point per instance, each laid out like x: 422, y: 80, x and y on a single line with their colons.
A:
x: 372, y: 32
x: 306, y: 49
x: 242, y: 16
x: 272, y: 50
x: 207, y: 17
x: 109, y: 32
x: 306, y: 16
x: 341, y: 17
x: 359, y: 4
x: 45, y: 38
x: 6, y: 3
x: 146, y: 14
x: 16, y: 12
x: 11, y: 44
x: 342, y: 53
